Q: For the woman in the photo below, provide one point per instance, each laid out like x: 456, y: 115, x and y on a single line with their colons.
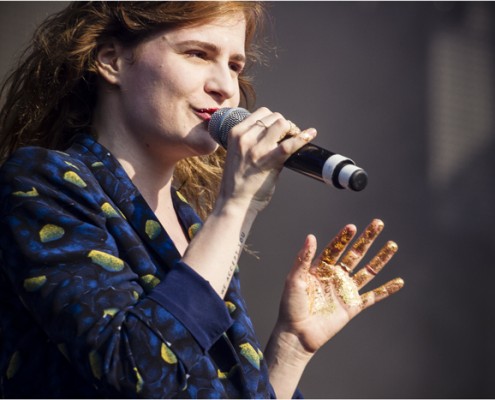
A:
x: 111, y: 284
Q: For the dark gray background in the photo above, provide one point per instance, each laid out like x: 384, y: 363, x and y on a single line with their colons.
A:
x: 408, y: 91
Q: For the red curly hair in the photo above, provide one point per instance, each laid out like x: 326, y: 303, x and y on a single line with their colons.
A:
x: 51, y: 95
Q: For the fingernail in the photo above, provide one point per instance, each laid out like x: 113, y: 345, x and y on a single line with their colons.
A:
x: 308, y: 134
x: 395, y: 285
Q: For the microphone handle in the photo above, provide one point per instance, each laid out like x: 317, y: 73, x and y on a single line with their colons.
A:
x: 328, y: 167
x: 310, y: 160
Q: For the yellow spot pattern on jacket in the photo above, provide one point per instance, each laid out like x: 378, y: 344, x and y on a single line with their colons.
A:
x: 251, y: 354
x: 51, y: 232
x: 150, y: 281
x: 180, y: 196
x: 62, y: 347
x: 35, y: 283
x: 222, y: 375
x: 109, y: 210
x: 106, y: 261
x: 140, y: 382
x: 230, y: 306
x: 71, y: 165
x: 193, y: 229
x: 31, y: 193
x: 152, y: 229
x: 14, y: 364
x: 95, y: 363
x: 110, y: 312
x: 168, y: 355
x: 72, y: 177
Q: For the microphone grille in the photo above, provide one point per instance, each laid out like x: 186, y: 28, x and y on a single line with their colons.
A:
x: 223, y: 120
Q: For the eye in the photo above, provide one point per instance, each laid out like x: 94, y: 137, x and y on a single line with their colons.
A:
x: 197, y: 54
x: 236, y: 67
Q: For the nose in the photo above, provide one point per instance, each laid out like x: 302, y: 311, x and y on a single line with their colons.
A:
x: 222, y: 82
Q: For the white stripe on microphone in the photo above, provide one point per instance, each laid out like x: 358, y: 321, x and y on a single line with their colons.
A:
x: 328, y: 170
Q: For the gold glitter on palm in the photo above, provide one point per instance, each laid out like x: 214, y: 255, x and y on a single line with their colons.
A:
x: 331, y: 285
x: 332, y: 282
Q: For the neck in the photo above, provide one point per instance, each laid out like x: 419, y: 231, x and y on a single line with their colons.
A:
x: 152, y: 174
x: 154, y: 181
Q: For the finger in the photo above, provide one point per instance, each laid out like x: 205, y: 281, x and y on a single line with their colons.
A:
x: 368, y: 272
x: 360, y: 247
x: 270, y: 119
x: 270, y: 130
x: 382, y: 292
x: 336, y: 247
x: 306, y: 254
x: 289, y: 144
x: 278, y: 127
x: 251, y: 120
x: 266, y: 121
x: 256, y: 122
x: 293, y: 131
x: 285, y: 137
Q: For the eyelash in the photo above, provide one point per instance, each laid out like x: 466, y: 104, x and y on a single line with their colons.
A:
x: 196, y: 53
x: 237, y: 68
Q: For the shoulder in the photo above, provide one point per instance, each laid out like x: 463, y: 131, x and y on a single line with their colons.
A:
x: 36, y: 170
x: 38, y: 161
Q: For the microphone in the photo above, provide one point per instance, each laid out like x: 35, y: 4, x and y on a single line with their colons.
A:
x: 313, y: 161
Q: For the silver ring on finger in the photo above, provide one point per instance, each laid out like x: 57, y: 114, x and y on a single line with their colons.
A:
x: 293, y: 130
x: 259, y: 122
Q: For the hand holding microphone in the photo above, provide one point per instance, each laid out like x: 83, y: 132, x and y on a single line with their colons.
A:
x: 310, y: 160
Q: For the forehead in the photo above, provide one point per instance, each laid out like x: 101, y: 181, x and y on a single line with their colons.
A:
x: 227, y: 31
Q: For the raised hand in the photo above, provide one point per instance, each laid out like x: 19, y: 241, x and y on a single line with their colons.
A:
x: 256, y: 154
x: 321, y: 297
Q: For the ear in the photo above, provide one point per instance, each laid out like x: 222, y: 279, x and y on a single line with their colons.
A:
x: 108, y: 61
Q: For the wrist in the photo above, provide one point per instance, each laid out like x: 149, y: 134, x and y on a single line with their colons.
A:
x: 235, y: 207
x: 285, y: 348
x: 286, y: 360
x: 290, y: 344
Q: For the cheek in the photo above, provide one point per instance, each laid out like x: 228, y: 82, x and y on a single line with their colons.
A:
x: 147, y: 88
x: 144, y: 73
x: 237, y: 100
x: 164, y: 85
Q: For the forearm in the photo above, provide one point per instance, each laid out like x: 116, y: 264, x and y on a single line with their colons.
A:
x: 215, y: 250
x: 286, y: 361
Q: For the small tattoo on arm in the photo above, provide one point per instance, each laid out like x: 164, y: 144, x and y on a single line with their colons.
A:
x: 233, y: 264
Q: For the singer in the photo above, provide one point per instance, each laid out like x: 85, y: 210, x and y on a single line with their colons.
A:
x: 123, y: 221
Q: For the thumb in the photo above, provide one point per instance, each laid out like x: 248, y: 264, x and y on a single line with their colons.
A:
x: 305, y: 255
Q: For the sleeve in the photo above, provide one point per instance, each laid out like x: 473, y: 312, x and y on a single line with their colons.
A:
x: 189, y: 305
x: 66, y: 269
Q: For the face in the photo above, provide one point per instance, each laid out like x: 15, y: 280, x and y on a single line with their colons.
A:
x: 177, y: 79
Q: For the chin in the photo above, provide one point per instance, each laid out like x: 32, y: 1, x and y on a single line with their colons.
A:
x: 204, y: 143
x: 202, y: 148
x: 209, y: 148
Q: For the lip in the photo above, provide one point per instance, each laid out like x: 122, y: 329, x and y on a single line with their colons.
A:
x: 205, y: 113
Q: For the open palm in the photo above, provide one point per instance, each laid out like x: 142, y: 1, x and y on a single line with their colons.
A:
x: 321, y: 296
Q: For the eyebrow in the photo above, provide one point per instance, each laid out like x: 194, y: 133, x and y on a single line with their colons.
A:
x: 211, y: 47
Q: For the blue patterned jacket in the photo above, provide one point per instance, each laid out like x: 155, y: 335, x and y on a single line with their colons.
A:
x: 94, y: 298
